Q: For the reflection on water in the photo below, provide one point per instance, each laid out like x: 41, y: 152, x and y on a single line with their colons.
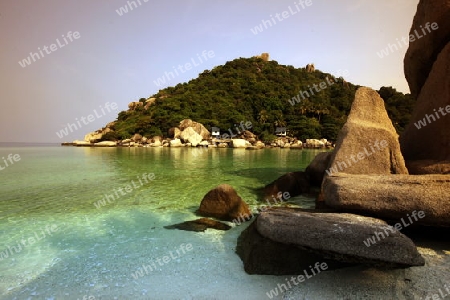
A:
x: 58, y: 180
x: 95, y: 250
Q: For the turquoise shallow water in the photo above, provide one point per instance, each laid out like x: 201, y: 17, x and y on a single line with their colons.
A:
x: 93, y: 251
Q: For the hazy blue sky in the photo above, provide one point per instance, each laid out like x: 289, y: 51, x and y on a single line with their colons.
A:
x: 118, y: 58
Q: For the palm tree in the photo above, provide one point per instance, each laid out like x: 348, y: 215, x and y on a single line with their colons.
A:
x: 263, y: 116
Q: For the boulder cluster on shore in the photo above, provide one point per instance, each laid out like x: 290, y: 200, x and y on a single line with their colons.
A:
x: 193, y: 134
x: 354, y: 209
x: 367, y: 194
x: 373, y: 185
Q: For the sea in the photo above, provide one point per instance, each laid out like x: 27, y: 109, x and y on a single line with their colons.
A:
x: 88, y: 223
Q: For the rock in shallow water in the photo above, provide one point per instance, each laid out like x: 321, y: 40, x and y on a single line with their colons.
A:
x: 199, y: 225
x: 223, y: 203
x: 263, y: 256
x: 293, y: 183
x: 317, y: 168
x: 340, y: 236
x: 285, y: 241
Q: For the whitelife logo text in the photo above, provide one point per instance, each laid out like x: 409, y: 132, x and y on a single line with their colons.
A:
x: 34, y: 56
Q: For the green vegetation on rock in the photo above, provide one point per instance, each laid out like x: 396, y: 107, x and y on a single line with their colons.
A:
x: 251, y: 89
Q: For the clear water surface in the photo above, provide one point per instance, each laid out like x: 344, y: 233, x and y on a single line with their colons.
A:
x: 93, y: 251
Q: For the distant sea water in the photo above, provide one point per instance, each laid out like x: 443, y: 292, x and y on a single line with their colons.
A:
x: 57, y: 244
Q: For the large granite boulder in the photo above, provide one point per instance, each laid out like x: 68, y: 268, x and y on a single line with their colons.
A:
x: 427, y: 136
x: 157, y: 141
x: 93, y: 137
x: 428, y: 42
x: 197, y: 127
x: 341, y: 237
x: 391, y: 197
x: 79, y: 143
x: 106, y: 144
x: 176, y: 143
x: 240, y: 143
x: 316, y: 169
x: 248, y: 135
x: 264, y: 256
x: 149, y: 102
x: 289, y: 185
x: 174, y: 132
x: 426, y: 139
x: 223, y: 203
x: 189, y: 135
x: 135, y: 105
x: 368, y: 142
x: 314, y: 143
x: 137, y: 137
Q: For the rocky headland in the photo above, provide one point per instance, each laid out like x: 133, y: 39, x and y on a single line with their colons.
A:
x: 379, y: 193
x: 383, y: 200
x: 193, y: 134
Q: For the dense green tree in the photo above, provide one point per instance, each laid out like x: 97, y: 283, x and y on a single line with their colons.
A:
x: 398, y: 106
x: 250, y: 89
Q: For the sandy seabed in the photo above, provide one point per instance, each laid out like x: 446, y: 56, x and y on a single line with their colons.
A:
x: 96, y: 257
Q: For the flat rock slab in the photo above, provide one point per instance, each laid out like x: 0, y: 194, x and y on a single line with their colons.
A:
x: 391, y: 197
x: 263, y: 256
x: 199, y: 225
x: 341, y: 237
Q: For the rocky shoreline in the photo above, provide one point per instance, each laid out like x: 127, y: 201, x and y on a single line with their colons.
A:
x: 369, y: 207
x: 193, y: 134
x: 364, y: 208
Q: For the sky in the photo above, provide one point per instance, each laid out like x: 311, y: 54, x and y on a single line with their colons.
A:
x: 91, y: 58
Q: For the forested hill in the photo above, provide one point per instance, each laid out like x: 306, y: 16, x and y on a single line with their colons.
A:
x: 259, y: 91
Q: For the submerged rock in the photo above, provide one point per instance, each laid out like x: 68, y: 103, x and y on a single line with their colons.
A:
x: 223, y: 203
x: 199, y: 225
